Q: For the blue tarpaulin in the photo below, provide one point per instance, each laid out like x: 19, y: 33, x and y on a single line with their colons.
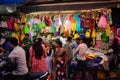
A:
x: 10, y: 1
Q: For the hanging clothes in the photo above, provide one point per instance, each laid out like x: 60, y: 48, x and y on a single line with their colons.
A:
x: 87, y: 34
x: 67, y: 23
x: 24, y: 18
x: 109, y: 16
x: 82, y: 22
x: 42, y: 24
x: 73, y: 24
x: 26, y: 29
x: 77, y: 19
x: 108, y: 30
x: 87, y: 19
x: 93, y: 36
x: 10, y: 24
x: 104, y: 37
x: 102, y: 22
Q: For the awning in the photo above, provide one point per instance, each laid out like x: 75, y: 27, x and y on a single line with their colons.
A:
x: 68, y: 6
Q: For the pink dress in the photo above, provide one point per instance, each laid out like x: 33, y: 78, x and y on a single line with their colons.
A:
x: 38, y: 65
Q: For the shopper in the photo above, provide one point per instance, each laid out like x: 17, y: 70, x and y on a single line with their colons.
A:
x: 77, y: 41
x: 21, y: 71
x: 37, y: 61
x: 25, y: 44
x: 60, y: 61
x: 6, y: 45
x: 81, y: 50
x: 69, y: 49
x: 116, y: 53
x: 50, y: 51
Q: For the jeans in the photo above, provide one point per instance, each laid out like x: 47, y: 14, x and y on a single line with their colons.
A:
x: 81, y: 67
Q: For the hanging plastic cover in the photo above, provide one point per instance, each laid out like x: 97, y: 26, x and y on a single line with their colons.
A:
x: 10, y: 1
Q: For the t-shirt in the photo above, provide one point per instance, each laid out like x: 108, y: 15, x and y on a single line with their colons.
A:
x: 26, y: 48
x: 19, y: 54
x: 81, y: 50
x: 98, y: 35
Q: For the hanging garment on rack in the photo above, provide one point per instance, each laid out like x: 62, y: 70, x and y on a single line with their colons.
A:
x: 98, y: 44
x: 24, y: 18
x: 67, y: 23
x: 82, y: 22
x: 10, y: 24
x: 49, y: 21
x: 35, y: 28
x: 3, y: 24
x: 55, y: 32
x: 77, y: 19
x: 16, y: 26
x: 76, y: 35
x: 52, y: 29
x: 102, y: 22
x: 42, y: 24
x: 92, y: 24
x: 93, y: 34
x: 73, y: 24
x: 26, y: 29
x: 62, y: 29
x: 87, y: 34
x: 29, y: 19
x: 109, y: 17
x: 87, y: 19
x: 108, y: 30
x: 82, y: 33
x: 104, y: 37
x: 98, y: 35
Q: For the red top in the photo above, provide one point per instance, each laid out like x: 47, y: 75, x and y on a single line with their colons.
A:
x: 38, y: 65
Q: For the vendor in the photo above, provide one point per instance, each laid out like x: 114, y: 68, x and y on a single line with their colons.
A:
x: 25, y: 44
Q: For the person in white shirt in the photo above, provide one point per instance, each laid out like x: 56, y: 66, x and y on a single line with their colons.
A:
x: 81, y: 50
x: 18, y: 52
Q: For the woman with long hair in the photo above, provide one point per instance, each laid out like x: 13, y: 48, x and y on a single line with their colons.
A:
x: 37, y: 58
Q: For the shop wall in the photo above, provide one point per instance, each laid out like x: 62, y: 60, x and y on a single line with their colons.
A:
x: 116, y: 17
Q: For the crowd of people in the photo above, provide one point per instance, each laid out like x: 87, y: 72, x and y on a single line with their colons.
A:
x: 45, y: 55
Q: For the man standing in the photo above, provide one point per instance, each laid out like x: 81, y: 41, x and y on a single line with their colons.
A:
x: 25, y: 44
x: 81, y: 50
x: 69, y: 50
x: 18, y: 53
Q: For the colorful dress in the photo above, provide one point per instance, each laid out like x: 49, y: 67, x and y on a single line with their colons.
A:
x: 60, y: 68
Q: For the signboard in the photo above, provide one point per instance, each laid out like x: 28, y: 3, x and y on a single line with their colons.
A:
x: 10, y: 1
x: 64, y: 0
